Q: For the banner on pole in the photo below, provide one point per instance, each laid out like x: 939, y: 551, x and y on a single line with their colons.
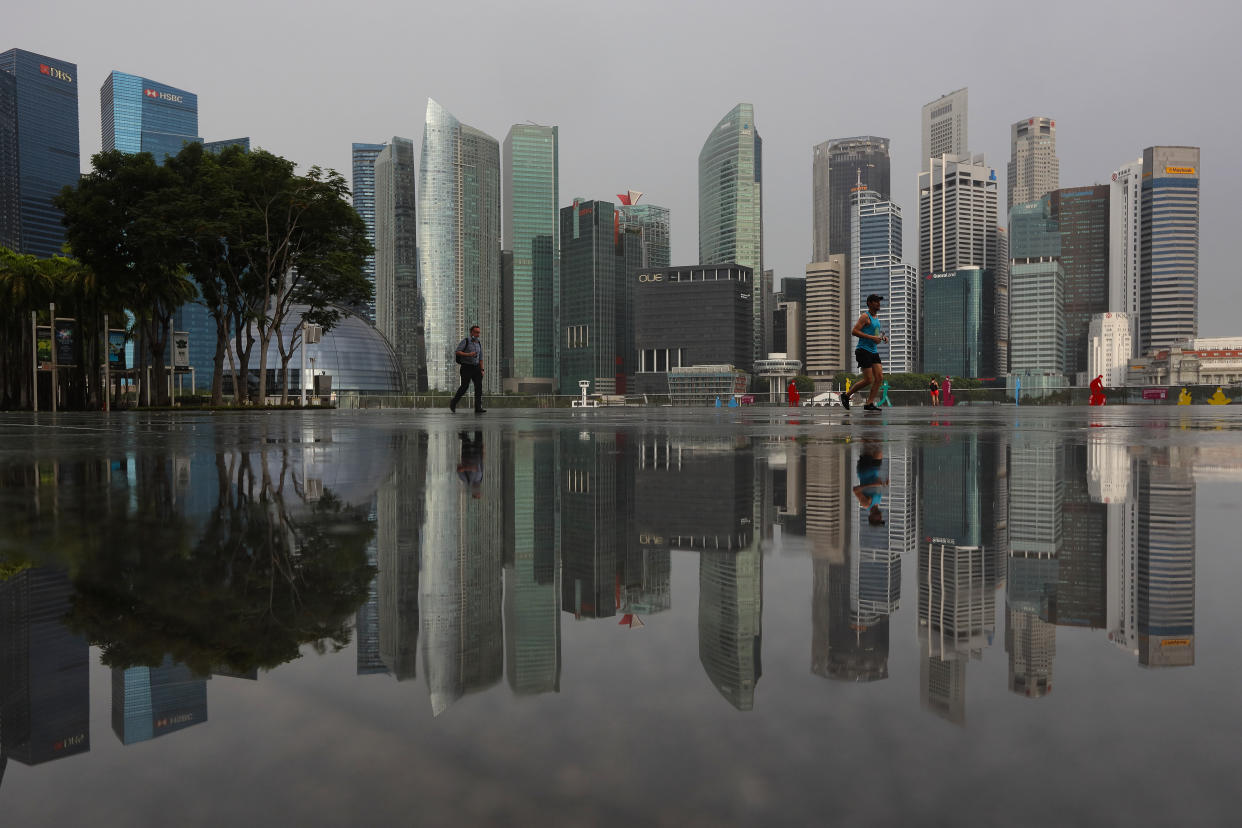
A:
x: 66, y: 335
x: 181, y: 349
x: 116, y: 350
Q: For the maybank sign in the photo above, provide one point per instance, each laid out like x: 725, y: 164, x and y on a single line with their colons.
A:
x: 1179, y: 170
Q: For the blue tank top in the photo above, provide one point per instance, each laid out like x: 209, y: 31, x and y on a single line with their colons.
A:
x: 873, y: 328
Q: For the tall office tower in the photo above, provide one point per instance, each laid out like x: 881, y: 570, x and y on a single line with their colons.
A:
x: 1124, y: 248
x: 652, y: 221
x: 1082, y: 217
x: 44, y: 682
x: 223, y: 144
x: 827, y: 328
x: 460, y: 577
x: 957, y: 620
x: 958, y: 322
x: 142, y: 115
x: 367, y: 624
x: 731, y: 204
x: 1165, y: 615
x: 532, y: 581
x: 592, y: 283
x: 1036, y: 292
x: 829, y: 481
x: 149, y: 702
x: 838, y: 167
x: 1169, y: 247
x: 458, y: 243
x: 1113, y: 475
x: 39, y: 116
x: 1034, y: 170
x: 1030, y: 638
x: 531, y: 195
x: 1109, y: 348
x: 401, y: 506
x: 1082, y: 582
x: 944, y: 127
x: 876, y: 267
x: 363, y: 189
x: 958, y: 229
x: 396, y: 259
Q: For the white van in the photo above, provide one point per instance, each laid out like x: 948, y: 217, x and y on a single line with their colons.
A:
x: 827, y: 398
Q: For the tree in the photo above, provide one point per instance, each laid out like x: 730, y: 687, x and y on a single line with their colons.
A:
x: 124, y: 220
x: 301, y: 240
x: 25, y: 286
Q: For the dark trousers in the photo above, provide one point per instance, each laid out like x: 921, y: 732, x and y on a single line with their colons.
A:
x: 471, y: 373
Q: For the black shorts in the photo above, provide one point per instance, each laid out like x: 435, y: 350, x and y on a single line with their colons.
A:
x: 866, y: 358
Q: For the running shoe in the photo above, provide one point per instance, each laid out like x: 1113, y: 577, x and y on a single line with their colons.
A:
x: 845, y: 400
x: 871, y: 407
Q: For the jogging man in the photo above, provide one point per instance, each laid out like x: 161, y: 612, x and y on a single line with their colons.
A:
x: 868, y: 331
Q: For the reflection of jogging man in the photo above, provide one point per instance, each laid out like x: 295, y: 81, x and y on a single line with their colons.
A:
x: 870, y: 489
x: 868, y: 331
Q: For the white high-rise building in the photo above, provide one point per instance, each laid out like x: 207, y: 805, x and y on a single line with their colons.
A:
x: 944, y: 126
x: 826, y: 327
x: 1109, y: 347
x: 1034, y: 170
x: 1123, y: 246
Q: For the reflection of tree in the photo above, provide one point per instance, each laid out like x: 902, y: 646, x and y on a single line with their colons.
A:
x: 266, y: 577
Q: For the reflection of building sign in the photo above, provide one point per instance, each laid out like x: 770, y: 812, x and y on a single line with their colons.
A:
x: 1179, y: 170
x: 1175, y: 642
x: 163, y: 96
x: 171, y: 721
x: 72, y: 741
x: 53, y: 72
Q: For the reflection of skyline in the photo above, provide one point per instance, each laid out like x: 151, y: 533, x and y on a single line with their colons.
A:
x: 149, y: 702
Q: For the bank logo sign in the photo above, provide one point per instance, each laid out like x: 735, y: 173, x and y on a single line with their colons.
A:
x: 53, y: 72
x: 163, y: 96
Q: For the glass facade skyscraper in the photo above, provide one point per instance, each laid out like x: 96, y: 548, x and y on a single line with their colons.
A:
x: 39, y: 116
x: 1082, y: 216
x: 1169, y: 247
x: 876, y: 267
x: 363, y: 171
x: 142, y: 115
x: 396, y: 259
x: 839, y: 166
x: 958, y: 309
x: 458, y: 243
x: 731, y: 205
x: 531, y: 195
x: 652, y: 221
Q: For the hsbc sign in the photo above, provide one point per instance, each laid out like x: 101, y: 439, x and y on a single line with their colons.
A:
x: 163, y: 96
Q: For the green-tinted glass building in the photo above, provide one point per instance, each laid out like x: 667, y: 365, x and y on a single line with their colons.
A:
x: 958, y: 327
x: 731, y: 204
x: 531, y: 193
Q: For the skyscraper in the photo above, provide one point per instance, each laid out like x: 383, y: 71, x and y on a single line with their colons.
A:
x: 1036, y: 293
x: 458, y: 243
x: 652, y: 221
x: 958, y: 229
x: 959, y: 309
x: 396, y: 259
x: 39, y: 116
x: 363, y: 189
x: 944, y: 127
x: 1169, y: 247
x: 1082, y: 220
x: 876, y: 266
x: 1124, y: 248
x: 826, y: 310
x: 1034, y: 170
x: 1166, y: 563
x: 592, y: 286
x: 731, y: 204
x: 149, y: 702
x: 531, y: 194
x: 839, y: 166
x: 143, y: 115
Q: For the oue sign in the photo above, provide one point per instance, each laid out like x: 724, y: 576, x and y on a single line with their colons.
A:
x: 651, y: 277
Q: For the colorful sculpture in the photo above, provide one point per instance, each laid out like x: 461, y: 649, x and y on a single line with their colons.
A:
x: 1097, y: 391
x: 1219, y: 397
x: 1184, y: 397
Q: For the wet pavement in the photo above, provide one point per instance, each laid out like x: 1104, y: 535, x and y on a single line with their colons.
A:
x: 621, y: 616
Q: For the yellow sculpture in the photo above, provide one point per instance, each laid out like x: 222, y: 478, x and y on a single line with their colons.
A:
x: 1219, y: 397
x: 1184, y: 397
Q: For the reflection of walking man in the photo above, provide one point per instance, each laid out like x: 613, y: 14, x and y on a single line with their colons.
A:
x: 870, y: 489
x: 470, y: 357
x: 470, y: 469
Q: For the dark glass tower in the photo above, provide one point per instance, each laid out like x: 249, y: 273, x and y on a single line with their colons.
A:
x: 142, y: 115
x: 1083, y: 216
x: 840, y: 165
x: 363, y: 189
x: 39, y: 107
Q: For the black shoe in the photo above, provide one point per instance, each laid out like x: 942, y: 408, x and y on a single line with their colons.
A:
x: 453, y: 406
x: 845, y: 400
x: 480, y: 411
x: 871, y: 407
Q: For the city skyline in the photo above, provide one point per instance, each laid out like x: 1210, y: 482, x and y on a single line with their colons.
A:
x: 796, y: 112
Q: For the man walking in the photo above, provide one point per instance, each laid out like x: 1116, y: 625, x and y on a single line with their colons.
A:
x: 469, y: 356
x: 868, y: 331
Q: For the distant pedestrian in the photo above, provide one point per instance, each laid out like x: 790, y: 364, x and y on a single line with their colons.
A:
x: 870, y: 335
x: 933, y: 388
x: 792, y: 393
x: 469, y: 356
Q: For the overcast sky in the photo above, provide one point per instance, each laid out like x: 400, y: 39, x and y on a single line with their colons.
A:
x: 636, y: 87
